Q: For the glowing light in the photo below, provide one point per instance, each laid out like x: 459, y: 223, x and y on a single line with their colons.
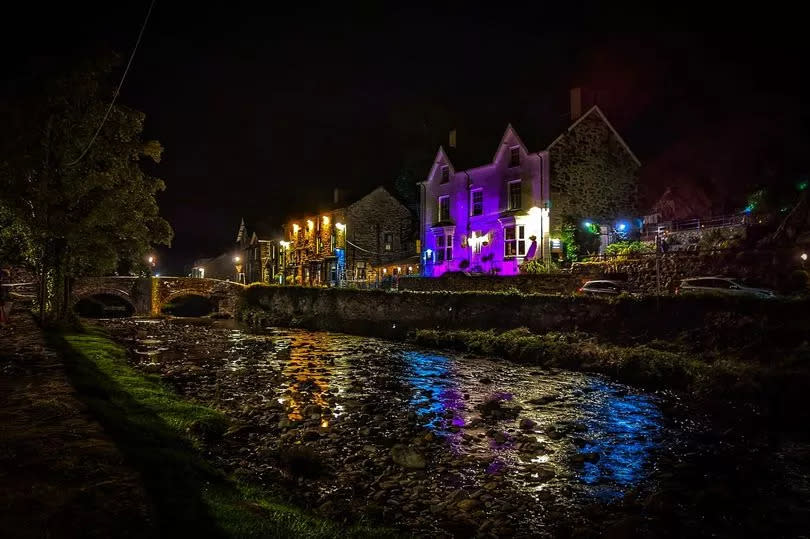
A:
x: 325, y: 220
x: 284, y: 244
x: 801, y: 186
x: 587, y: 224
x: 410, y: 268
x: 237, y: 259
x: 621, y: 227
x: 385, y: 271
x: 399, y: 269
x: 296, y: 228
x: 310, y: 224
x: 804, y: 257
x: 340, y: 226
x: 151, y: 259
x: 749, y: 208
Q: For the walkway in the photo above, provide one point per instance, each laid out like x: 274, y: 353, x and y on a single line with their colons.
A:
x: 60, y: 474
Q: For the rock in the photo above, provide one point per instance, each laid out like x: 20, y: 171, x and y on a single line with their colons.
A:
x: 407, y: 457
x: 468, y: 504
x: 527, y: 424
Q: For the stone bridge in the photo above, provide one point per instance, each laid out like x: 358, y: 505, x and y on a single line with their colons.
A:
x: 149, y: 295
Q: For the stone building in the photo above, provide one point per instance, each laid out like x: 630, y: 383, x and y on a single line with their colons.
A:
x: 344, y: 245
x: 493, y: 217
x: 256, y: 253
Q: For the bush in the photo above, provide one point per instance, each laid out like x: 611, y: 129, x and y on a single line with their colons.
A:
x: 536, y: 267
x: 629, y: 248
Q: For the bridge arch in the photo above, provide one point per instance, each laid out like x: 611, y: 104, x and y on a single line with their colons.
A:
x: 82, y: 303
x: 198, y: 309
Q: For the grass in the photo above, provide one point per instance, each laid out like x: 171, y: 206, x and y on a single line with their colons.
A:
x: 160, y: 435
x: 649, y: 365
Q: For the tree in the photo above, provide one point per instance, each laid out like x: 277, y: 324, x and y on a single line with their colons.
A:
x: 80, y: 208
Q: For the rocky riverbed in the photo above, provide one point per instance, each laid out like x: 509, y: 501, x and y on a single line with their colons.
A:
x: 443, y: 445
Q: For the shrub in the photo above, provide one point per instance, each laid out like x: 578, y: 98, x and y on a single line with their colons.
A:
x: 629, y: 248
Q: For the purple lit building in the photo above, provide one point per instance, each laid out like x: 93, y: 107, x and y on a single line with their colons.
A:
x: 493, y: 217
x: 488, y: 218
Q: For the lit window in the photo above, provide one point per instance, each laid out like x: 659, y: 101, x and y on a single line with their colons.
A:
x: 449, y: 247
x: 514, y: 156
x: 360, y: 271
x: 445, y: 174
x: 388, y: 241
x: 514, y: 241
x: 515, y: 201
x: 477, y: 202
x: 444, y: 208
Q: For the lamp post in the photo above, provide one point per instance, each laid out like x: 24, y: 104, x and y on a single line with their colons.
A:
x: 152, y: 261
x: 237, y: 261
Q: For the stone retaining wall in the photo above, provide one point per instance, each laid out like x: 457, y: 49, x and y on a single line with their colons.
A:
x: 393, y: 314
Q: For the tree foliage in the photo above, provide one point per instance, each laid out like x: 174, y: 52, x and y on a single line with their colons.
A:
x: 76, y: 213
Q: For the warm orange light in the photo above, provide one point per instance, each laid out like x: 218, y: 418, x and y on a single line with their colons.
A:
x: 326, y: 220
x: 310, y: 224
x: 296, y: 228
x: 237, y: 259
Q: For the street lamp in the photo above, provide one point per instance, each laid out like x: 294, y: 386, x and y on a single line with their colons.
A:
x: 237, y: 260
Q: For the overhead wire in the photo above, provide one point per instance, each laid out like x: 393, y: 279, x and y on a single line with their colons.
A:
x: 117, y: 90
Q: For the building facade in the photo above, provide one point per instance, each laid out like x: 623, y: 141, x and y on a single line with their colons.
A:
x: 256, y: 257
x: 486, y: 219
x: 492, y: 218
x: 348, y: 245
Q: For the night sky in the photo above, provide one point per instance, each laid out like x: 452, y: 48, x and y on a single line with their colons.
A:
x: 263, y: 113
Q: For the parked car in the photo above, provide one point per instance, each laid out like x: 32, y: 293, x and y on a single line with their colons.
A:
x: 603, y: 288
x: 721, y: 285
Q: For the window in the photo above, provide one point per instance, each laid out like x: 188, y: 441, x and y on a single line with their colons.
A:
x: 514, y: 195
x: 388, y: 241
x: 514, y: 241
x: 514, y: 156
x: 445, y: 174
x: 360, y: 271
x: 444, y: 248
x: 444, y: 208
x: 477, y: 202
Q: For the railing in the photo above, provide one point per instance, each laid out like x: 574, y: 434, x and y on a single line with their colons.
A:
x: 694, y: 224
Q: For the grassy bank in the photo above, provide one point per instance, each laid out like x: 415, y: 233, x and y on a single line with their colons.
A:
x: 655, y: 364
x: 160, y: 435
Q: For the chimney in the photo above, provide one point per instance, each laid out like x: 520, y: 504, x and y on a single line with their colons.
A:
x: 576, y: 103
x: 336, y: 195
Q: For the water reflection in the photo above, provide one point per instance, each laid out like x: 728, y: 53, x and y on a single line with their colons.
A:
x: 436, y: 398
x: 623, y: 430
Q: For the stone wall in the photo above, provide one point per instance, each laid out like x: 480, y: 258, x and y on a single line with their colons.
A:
x: 770, y: 269
x: 556, y: 283
x: 593, y: 175
x: 393, y: 314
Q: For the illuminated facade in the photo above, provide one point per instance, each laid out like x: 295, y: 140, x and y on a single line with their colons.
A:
x: 350, y: 245
x: 487, y: 219
x: 492, y: 218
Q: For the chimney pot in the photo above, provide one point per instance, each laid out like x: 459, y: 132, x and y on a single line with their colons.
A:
x: 576, y: 103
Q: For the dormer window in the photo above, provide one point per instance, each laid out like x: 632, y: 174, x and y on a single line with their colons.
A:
x: 514, y: 156
x: 445, y: 174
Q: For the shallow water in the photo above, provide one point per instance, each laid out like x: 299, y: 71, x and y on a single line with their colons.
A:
x: 494, y: 447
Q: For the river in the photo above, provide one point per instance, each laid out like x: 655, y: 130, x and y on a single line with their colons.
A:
x: 440, y: 444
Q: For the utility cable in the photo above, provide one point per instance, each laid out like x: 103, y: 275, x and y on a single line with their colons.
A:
x: 117, y: 90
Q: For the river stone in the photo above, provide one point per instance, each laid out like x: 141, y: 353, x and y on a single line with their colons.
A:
x: 527, y: 424
x: 468, y: 504
x: 407, y: 457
